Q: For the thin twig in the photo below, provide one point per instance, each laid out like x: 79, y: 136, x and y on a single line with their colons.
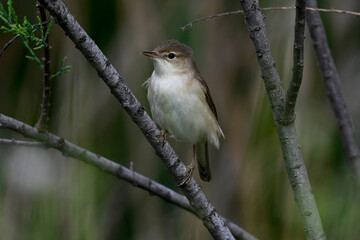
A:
x: 332, y: 81
x: 22, y: 143
x: 190, y: 24
x: 293, y: 158
x: 49, y: 140
x: 198, y: 200
x: 45, y: 106
x: 332, y: 10
x: 8, y: 44
x: 288, y: 114
x: 43, y: 23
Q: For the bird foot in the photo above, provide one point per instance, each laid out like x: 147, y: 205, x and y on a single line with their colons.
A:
x: 162, y: 137
x: 188, y: 175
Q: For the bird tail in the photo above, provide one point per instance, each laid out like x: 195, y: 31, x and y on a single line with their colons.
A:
x: 202, y: 157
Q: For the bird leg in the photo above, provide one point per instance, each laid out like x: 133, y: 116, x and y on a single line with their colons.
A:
x: 189, y: 170
x: 162, y: 137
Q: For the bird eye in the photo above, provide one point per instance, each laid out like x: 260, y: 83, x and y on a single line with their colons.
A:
x: 171, y: 56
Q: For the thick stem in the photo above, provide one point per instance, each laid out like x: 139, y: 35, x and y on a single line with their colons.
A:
x: 45, y: 106
x: 298, y: 63
x: 331, y: 78
x: 290, y: 146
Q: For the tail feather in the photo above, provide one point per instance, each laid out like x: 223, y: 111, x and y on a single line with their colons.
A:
x: 202, y: 157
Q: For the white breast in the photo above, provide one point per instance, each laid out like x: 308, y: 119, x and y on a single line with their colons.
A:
x: 178, y: 106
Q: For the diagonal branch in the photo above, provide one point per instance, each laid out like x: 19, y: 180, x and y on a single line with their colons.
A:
x: 49, y: 140
x: 298, y: 64
x: 8, y: 44
x: 22, y: 143
x: 201, y: 205
x: 331, y: 78
x: 294, y: 162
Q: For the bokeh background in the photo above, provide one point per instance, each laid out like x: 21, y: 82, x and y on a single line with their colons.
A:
x: 44, y: 195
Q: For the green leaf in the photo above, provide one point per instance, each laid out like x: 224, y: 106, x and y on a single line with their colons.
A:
x: 11, y: 12
x: 48, y: 28
x: 2, y: 9
x: 41, y: 26
x: 5, y: 29
x: 63, y: 69
x: 3, y: 14
x: 32, y: 54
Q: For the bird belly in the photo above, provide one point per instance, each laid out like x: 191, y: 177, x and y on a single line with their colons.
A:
x: 178, y: 109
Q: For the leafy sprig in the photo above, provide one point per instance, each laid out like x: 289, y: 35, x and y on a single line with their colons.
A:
x: 30, y: 34
x: 63, y: 69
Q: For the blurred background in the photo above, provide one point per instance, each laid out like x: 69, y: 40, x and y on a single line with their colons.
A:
x: 44, y: 195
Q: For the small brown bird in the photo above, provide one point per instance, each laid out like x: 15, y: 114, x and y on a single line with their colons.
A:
x: 181, y: 104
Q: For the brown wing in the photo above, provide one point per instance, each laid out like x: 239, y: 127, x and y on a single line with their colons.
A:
x: 208, y: 97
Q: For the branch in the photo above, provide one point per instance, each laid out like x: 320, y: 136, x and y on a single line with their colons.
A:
x: 22, y: 143
x: 331, y: 78
x: 201, y: 205
x: 298, y: 64
x: 45, y: 106
x: 49, y: 140
x: 294, y: 162
x: 8, y: 44
x: 190, y: 24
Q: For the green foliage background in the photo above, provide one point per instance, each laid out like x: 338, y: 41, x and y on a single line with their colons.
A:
x: 44, y: 195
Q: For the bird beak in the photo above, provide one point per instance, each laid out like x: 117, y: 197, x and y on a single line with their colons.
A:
x: 150, y: 54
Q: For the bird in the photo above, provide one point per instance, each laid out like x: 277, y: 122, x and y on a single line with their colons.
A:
x: 181, y: 104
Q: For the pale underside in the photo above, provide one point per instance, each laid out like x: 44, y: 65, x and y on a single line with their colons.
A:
x: 178, y: 105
